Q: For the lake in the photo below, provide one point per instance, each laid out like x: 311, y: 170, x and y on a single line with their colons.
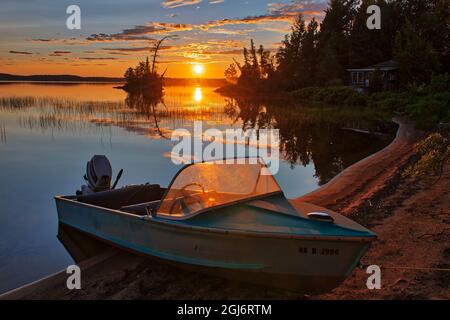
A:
x: 49, y: 131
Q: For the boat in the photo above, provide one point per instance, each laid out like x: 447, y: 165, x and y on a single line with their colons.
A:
x: 227, y: 218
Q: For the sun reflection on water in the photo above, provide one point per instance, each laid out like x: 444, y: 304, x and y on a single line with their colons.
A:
x: 198, y: 95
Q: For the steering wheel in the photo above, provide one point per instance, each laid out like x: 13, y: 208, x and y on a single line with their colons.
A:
x: 181, y: 199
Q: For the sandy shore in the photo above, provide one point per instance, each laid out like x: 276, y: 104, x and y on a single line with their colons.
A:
x: 412, y: 220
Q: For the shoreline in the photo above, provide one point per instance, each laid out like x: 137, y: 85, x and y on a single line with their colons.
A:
x: 120, y: 275
x: 351, y: 187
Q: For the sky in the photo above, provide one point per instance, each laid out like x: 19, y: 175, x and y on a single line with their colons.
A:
x: 116, y: 34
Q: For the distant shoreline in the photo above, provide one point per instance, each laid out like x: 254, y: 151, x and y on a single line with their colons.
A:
x: 72, y: 79
x: 59, y: 82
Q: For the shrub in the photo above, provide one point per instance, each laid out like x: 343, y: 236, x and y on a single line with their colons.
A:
x: 439, y: 83
x: 434, y: 152
x: 428, y: 105
x: 333, y: 95
x: 429, y: 111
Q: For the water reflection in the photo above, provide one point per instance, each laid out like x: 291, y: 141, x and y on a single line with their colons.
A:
x: 146, y: 103
x: 198, y: 96
x: 2, y: 134
x: 47, y: 132
x: 323, y: 136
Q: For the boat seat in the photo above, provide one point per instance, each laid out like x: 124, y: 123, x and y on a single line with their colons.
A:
x: 127, y: 196
x: 141, y: 208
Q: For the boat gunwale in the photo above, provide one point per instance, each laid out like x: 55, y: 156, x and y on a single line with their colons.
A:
x: 170, y: 223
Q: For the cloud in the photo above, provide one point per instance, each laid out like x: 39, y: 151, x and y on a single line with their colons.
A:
x: 170, y: 4
x: 224, y: 52
x: 59, y: 53
x: 97, y: 58
x: 103, y: 37
x: 247, y: 20
x: 141, y: 33
x: 238, y: 32
x: 137, y: 49
x: 41, y: 40
x: 309, y: 8
x: 277, y: 12
x: 63, y: 41
x: 157, y: 28
x: 19, y: 52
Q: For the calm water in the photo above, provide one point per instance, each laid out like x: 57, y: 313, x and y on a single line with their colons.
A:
x: 48, y: 132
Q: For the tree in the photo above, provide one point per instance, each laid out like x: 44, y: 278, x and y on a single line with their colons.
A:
x: 309, y: 55
x: 329, y: 70
x: 266, y: 63
x: 430, y: 19
x: 416, y: 58
x: 130, y: 76
x: 289, y: 55
x: 254, y: 71
x: 335, y: 34
x: 231, y: 74
x: 368, y: 47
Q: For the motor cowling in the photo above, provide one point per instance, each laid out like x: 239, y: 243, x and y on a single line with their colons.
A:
x: 98, y: 176
x: 98, y: 173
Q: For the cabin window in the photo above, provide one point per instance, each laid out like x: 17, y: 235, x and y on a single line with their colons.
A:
x: 353, y: 78
x: 360, y: 77
x: 206, y: 185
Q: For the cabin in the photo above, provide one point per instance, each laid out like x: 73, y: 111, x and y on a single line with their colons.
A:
x: 360, y: 78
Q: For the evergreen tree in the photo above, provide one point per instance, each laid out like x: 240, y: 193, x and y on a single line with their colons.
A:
x: 368, y: 47
x: 335, y: 38
x: 289, y: 55
x: 231, y: 74
x: 329, y: 70
x: 416, y: 58
x: 309, y: 56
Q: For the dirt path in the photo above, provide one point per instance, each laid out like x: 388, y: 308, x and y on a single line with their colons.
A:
x: 412, y: 220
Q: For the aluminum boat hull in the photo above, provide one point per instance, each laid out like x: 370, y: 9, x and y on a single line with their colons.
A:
x: 300, y: 263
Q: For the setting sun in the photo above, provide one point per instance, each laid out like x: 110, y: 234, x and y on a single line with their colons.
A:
x: 198, y: 69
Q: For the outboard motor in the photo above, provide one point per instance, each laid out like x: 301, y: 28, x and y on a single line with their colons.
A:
x: 98, y: 176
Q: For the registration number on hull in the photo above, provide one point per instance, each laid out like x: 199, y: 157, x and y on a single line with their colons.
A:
x: 319, y: 251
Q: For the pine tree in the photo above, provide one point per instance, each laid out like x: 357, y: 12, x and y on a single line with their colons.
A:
x: 416, y: 58
x: 289, y: 55
x: 335, y: 34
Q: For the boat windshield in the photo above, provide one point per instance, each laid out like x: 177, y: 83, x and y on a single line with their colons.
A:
x: 206, y: 185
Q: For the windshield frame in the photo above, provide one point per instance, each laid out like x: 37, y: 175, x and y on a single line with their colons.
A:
x: 190, y: 215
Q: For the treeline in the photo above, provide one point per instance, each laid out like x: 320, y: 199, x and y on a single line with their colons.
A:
x: 415, y: 33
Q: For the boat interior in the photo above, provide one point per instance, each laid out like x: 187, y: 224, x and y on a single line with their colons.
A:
x: 144, y: 199
x: 195, y: 188
x: 135, y: 199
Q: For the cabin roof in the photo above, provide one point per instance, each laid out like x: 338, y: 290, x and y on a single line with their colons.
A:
x: 382, y: 66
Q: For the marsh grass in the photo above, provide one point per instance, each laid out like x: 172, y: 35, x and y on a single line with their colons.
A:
x: 52, y: 113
